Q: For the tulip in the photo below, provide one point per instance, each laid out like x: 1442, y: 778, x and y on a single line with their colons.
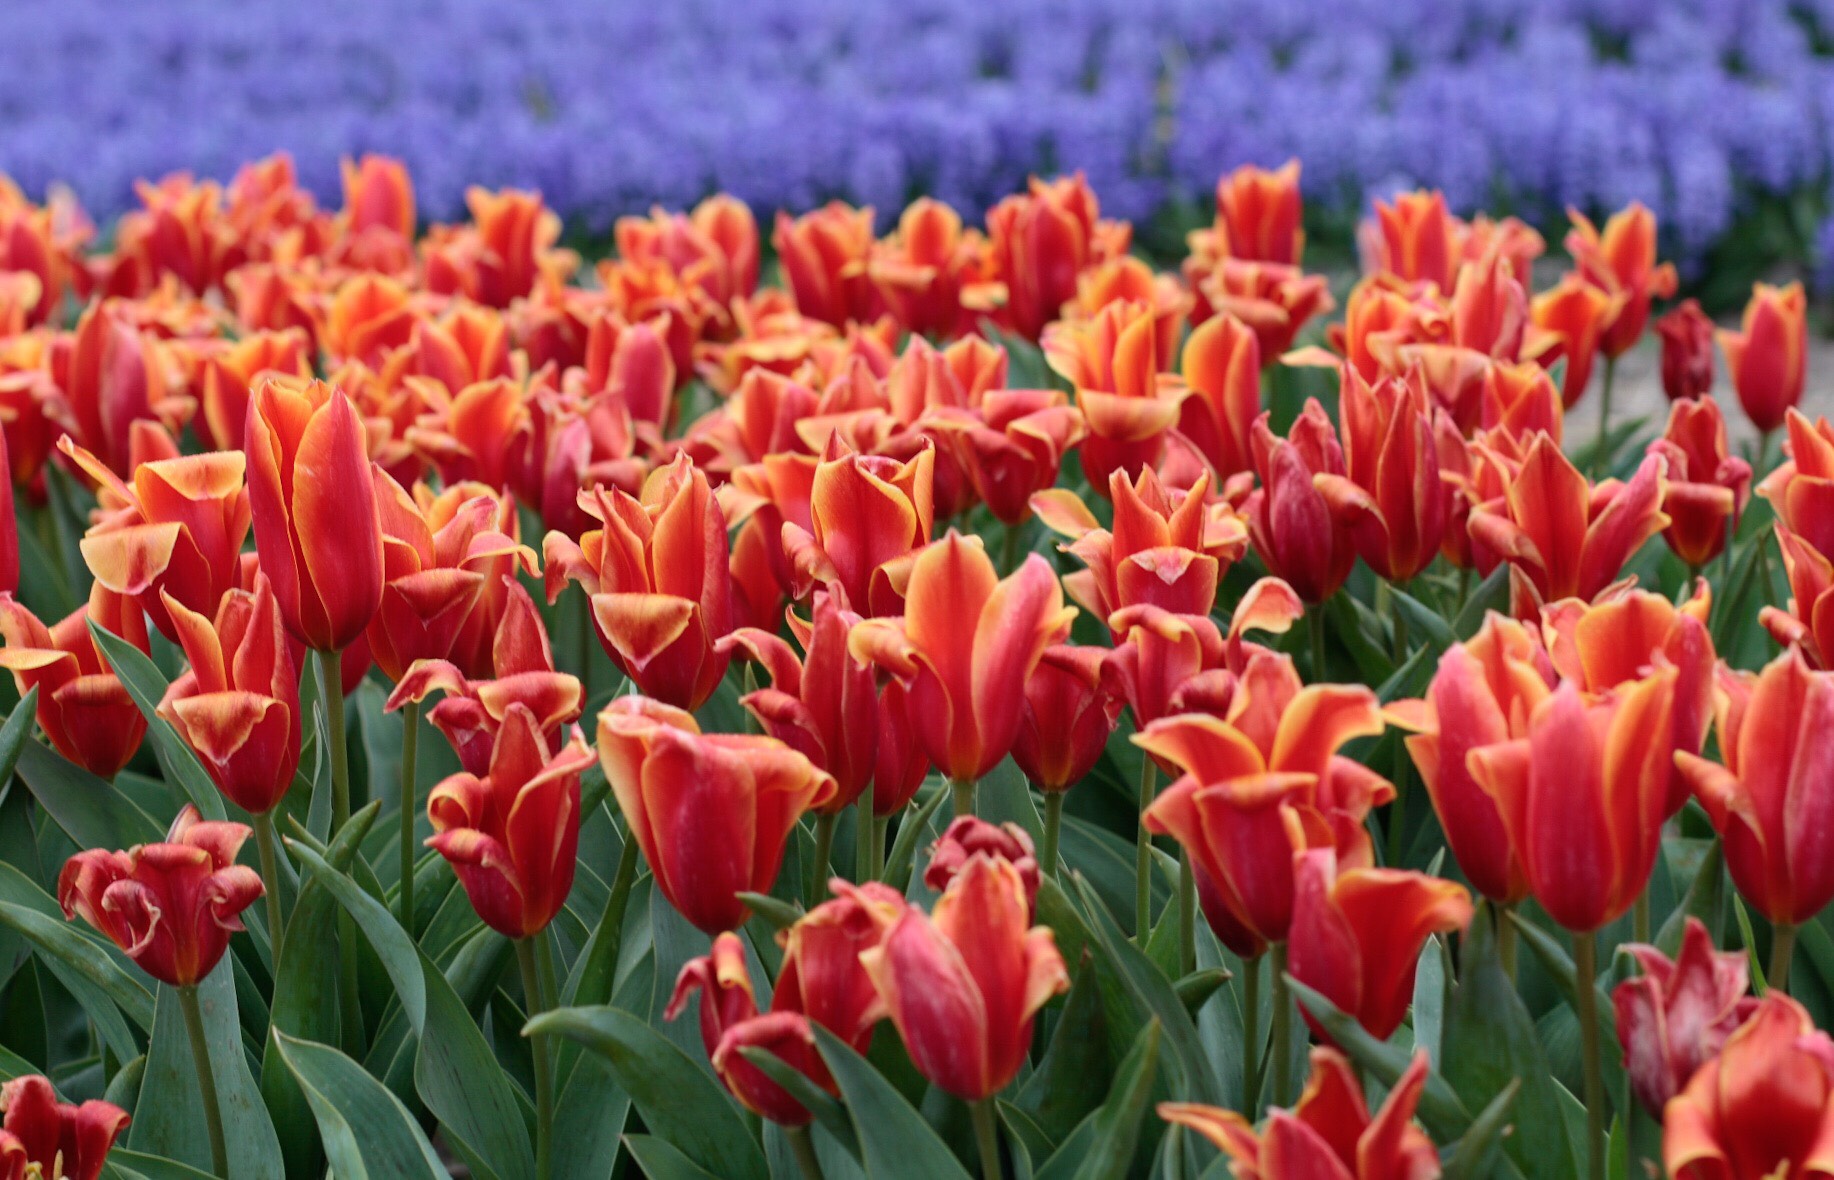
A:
x: 1329, y: 1132
x: 1258, y: 214
x: 1113, y: 362
x: 230, y: 375
x: 1275, y: 301
x: 868, y: 513
x: 1687, y: 351
x: 823, y: 254
x: 56, y: 1140
x: 1356, y: 935
x: 1677, y: 1016
x: 1706, y: 485
x: 495, y: 550
x: 1768, y: 357
x: 1764, y: 1107
x: 723, y: 982
x: 656, y: 573
x: 1561, y: 538
x: 1416, y: 239
x: 1040, y: 241
x: 710, y: 812
x: 967, y: 837
x: 1015, y: 447
x: 1569, y: 319
x: 113, y: 374
x: 1221, y: 366
x: 922, y: 268
x: 9, y: 527
x: 1289, y: 519
x: 1801, y: 489
x: 964, y: 649
x: 371, y: 315
x: 713, y: 250
x: 378, y: 195
x: 1621, y: 260
x: 1064, y: 726
x: 511, y: 835
x: 502, y: 255
x: 963, y: 984
x: 1391, y: 495
x: 822, y: 976
x: 82, y: 706
x: 1520, y: 400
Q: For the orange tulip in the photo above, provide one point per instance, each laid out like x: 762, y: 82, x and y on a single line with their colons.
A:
x: 1014, y: 447
x: 922, y: 268
x: 1562, y: 538
x: 1569, y: 319
x: 868, y: 514
x: 963, y: 984
x: 1221, y: 366
x: 237, y: 706
x: 1328, y: 1133
x: 1289, y: 518
x: 1801, y: 489
x: 1258, y: 214
x: 1622, y: 260
x: 1583, y: 797
x: 1520, y: 400
x: 112, y: 375
x: 1707, y: 486
x: 1687, y: 351
x: 370, y: 316
x: 964, y: 649
x: 823, y: 255
x: 656, y: 571
x: 1768, y: 357
x: 499, y: 257
x: 1391, y: 495
x: 317, y: 528
x: 1113, y: 363
x: 1069, y: 713
x: 1769, y: 799
x: 82, y: 707
x: 1676, y: 1017
x: 43, y: 1137
x: 1275, y: 301
x: 710, y: 812
x: 1356, y: 935
x: 9, y: 527
x: 1040, y: 241
x: 1763, y: 1108
x: 1416, y: 239
x: 713, y: 250
x: 229, y: 375
x: 378, y: 195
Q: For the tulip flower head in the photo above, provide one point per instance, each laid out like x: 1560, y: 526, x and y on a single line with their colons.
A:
x: 82, y: 706
x: 1289, y: 519
x: 1687, y: 351
x: 823, y: 255
x: 1390, y: 496
x: 967, y: 837
x: 1707, y: 485
x: 1621, y: 261
x: 868, y: 513
x: 1677, y: 1015
x: 1767, y: 357
x: 1069, y: 713
x: 43, y: 1137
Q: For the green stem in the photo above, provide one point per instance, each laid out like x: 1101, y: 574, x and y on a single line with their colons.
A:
x: 1585, y: 974
x: 206, y: 1079
x: 802, y: 1146
x: 1187, y: 914
x: 270, y: 880
x: 1465, y: 578
x: 1639, y: 917
x: 1782, y: 950
x: 862, y: 836
x: 880, y: 825
x: 331, y: 688
x: 586, y: 640
x: 532, y: 990
x: 1251, y: 1038
x: 1143, y: 856
x: 1009, y: 549
x: 410, y: 750
x: 1759, y: 468
x: 1397, y: 811
x: 1599, y: 448
x: 987, y: 1134
x: 1315, y: 619
x: 962, y: 795
x: 1282, y: 1047
x: 1505, y: 937
x: 609, y: 934
x: 824, y: 847
x: 1053, y: 824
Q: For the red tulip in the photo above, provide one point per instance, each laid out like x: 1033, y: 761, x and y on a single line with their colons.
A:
x: 1621, y: 261
x: 1356, y: 935
x: 1801, y: 489
x: 1675, y: 1018
x: 43, y: 1137
x: 1014, y: 448
x: 170, y: 906
x: 1569, y: 319
x: 963, y: 985
x: 229, y: 375
x: 1289, y: 519
x: 822, y: 976
x: 1067, y: 718
x: 967, y: 837
x: 1707, y: 486
x: 1040, y: 241
x: 869, y: 513
x: 924, y: 268
x: 512, y: 835
x: 1520, y: 401
x: 1221, y: 366
x: 1275, y: 301
x: 1416, y: 239
x: 237, y: 706
x: 314, y: 507
x: 1258, y: 215
x: 112, y: 374
x: 823, y: 255
x: 1114, y: 363
x: 1768, y: 356
x: 378, y: 195
x: 964, y: 649
x: 711, y: 812
x: 1390, y: 496
x: 82, y: 707
x: 1687, y: 351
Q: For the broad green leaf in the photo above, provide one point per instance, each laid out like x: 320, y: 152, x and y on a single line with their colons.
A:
x: 79, y: 964
x: 90, y: 812
x: 147, y: 686
x: 16, y: 732
x: 662, y: 1160
x: 1559, y: 965
x: 894, y: 1138
x: 1423, y: 620
x: 367, y: 1133
x: 129, y: 1164
x: 678, y: 1100
x: 1118, y: 1122
x: 1471, y: 1156
x: 1440, y: 1109
x: 1069, y: 1082
x: 1430, y: 999
x: 817, y: 1101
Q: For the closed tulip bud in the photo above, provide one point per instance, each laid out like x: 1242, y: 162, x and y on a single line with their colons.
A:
x: 963, y: 984
x: 1258, y: 214
x: 1687, y: 351
x: 1768, y: 357
x: 1329, y: 1131
x: 512, y: 835
x: 1583, y: 797
x: 1289, y: 519
x: 1391, y: 496
x: 964, y: 649
x: 823, y: 255
x: 314, y: 507
x: 1707, y: 486
x: 1415, y: 239
x: 967, y: 837
x: 1622, y: 260
x: 1356, y: 935
x: 1677, y: 1015
x: 237, y: 706
x: 656, y: 570
x: 1114, y: 363
x: 711, y: 812
x: 868, y: 512
x: 1568, y: 320
x: 1768, y: 796
x: 170, y: 906
x: 1040, y: 241
x: 42, y: 1137
x: 82, y: 706
x: 1763, y: 1108
x: 112, y: 374
x: 1221, y: 366
x: 1068, y: 715
x: 822, y: 976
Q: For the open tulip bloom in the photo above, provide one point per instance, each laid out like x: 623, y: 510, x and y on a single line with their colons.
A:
x: 625, y: 853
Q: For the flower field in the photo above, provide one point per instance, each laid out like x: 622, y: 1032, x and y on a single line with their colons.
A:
x: 803, y: 697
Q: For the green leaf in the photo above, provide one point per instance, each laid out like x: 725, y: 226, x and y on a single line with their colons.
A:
x: 1117, y: 1123
x: 90, y: 812
x: 661, y: 1160
x: 1471, y: 1157
x: 911, y: 830
x: 16, y: 731
x: 1430, y: 999
x: 144, y: 682
x: 1196, y: 988
x: 169, y: 1118
x: 128, y: 1164
x: 1440, y: 1109
x: 1423, y: 620
x: 366, y: 1131
x: 678, y: 1100
x: 779, y: 914
x: 68, y: 953
x: 894, y: 1139
x: 1067, y: 1085
x: 1490, y: 594
x: 1705, y: 899
x: 814, y: 1099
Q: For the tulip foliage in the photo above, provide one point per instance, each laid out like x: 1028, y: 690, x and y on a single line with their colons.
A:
x: 956, y: 700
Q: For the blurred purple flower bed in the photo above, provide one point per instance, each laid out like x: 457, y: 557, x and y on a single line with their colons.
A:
x: 1704, y: 109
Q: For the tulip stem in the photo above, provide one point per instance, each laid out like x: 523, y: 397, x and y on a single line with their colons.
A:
x: 206, y: 1079
x: 1639, y: 917
x: 1315, y: 619
x: 961, y: 793
x: 270, y: 879
x: 1009, y: 549
x: 824, y: 846
x: 863, y: 830
x: 987, y: 1134
x: 1505, y: 916
x: 1053, y: 824
x: 532, y: 1000
x: 1585, y: 993
x: 1251, y: 1038
x: 1282, y: 1047
x: 331, y: 688
x: 1600, y: 451
x: 802, y: 1146
x: 1782, y: 950
x: 880, y: 825
x: 1187, y: 914
x: 410, y: 751
x: 585, y: 647
x: 1143, y: 856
